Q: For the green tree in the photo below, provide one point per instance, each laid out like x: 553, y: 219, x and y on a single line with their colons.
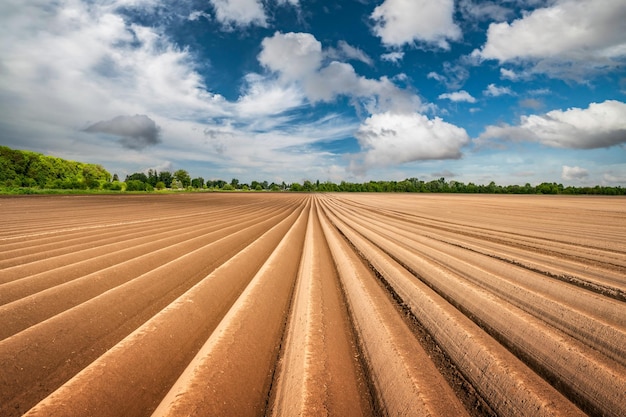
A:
x: 197, y: 182
x: 184, y: 178
x: 295, y: 187
x: 138, y: 176
x: 153, y: 177
x: 135, y: 185
x: 176, y: 184
x: 166, y: 178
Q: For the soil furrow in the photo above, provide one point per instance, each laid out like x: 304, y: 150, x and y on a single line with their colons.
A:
x: 319, y: 372
x: 406, y: 380
x: 120, y: 383
x: 47, y: 354
x: 507, y: 385
x: 232, y: 372
x: 559, y: 359
x: 312, y: 304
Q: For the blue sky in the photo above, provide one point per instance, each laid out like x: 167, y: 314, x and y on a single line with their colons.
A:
x: 510, y: 91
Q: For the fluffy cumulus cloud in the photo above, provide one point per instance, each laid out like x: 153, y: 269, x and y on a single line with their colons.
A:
x: 389, y: 138
x: 135, y: 132
x: 393, y: 133
x: 84, y: 62
x: 600, y: 125
x: 565, y: 39
x: 298, y: 58
x: 239, y: 12
x: 400, y: 22
x: 293, y: 55
x: 493, y: 90
x: 457, y: 96
x: 573, y: 173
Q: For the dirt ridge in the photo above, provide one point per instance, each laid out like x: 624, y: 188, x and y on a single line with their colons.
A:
x: 280, y: 304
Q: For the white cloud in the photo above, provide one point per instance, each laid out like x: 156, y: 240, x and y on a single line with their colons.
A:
x: 457, y: 96
x: 298, y: 58
x: 574, y: 173
x: 399, y: 22
x: 453, y: 77
x: 70, y: 64
x: 494, y: 91
x: 539, y: 92
x: 484, y: 10
x: 197, y: 14
x: 615, y: 177
x: 565, y: 39
x: 293, y: 55
x: 388, y: 139
x: 239, y: 12
x: 394, y: 57
x: 345, y: 51
x: 601, y: 125
x: 266, y: 97
x: 507, y: 74
x: 435, y: 76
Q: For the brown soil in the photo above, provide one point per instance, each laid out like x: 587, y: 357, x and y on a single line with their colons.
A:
x: 312, y: 304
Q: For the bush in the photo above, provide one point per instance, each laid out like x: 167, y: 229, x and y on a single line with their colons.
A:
x: 135, y: 185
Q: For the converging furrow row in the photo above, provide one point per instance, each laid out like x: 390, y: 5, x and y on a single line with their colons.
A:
x: 261, y: 304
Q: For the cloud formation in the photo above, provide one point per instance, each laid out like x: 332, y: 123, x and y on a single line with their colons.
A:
x: 389, y: 139
x: 394, y: 57
x: 292, y: 55
x: 509, y: 74
x: 484, y: 10
x: 601, y: 125
x: 564, y: 39
x: 239, y: 12
x: 298, y: 58
x: 400, y: 22
x: 453, y: 77
x: 345, y: 51
x: 395, y: 131
x: 135, y: 132
x: 493, y: 90
x: 573, y: 173
x: 458, y: 96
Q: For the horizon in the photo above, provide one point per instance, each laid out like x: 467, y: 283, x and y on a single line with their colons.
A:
x: 515, y: 92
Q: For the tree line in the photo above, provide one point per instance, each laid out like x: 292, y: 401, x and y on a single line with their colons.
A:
x: 33, y: 170
x: 181, y: 179
x: 26, y: 170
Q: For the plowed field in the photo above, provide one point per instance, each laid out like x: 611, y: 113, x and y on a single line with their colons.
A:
x: 312, y: 304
